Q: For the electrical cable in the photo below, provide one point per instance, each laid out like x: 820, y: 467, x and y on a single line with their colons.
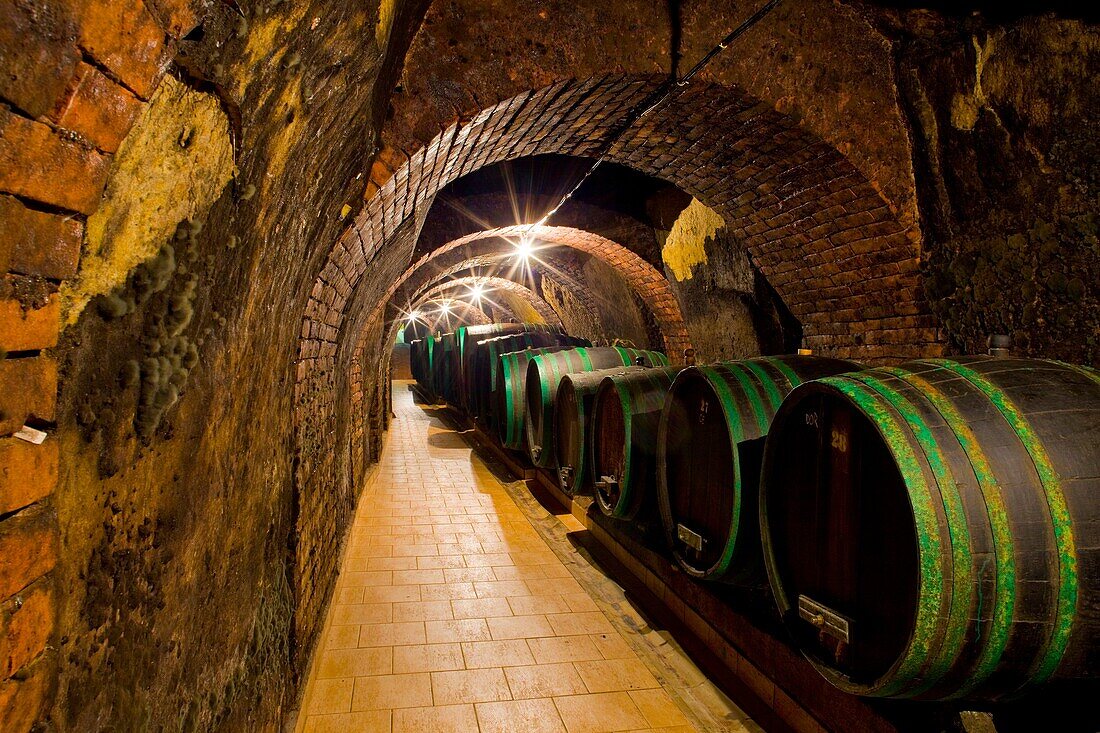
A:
x: 654, y: 100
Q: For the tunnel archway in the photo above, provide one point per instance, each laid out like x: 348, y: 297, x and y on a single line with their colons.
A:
x: 490, y: 284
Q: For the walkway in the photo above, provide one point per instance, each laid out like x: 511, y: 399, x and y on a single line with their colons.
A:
x: 452, y: 613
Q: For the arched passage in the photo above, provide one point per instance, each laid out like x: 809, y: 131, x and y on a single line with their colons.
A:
x: 650, y: 285
x: 490, y: 284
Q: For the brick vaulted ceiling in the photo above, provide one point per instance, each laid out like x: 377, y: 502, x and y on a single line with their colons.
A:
x: 826, y: 240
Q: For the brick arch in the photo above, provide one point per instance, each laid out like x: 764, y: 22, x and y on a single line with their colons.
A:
x: 559, y: 271
x: 649, y: 283
x: 488, y: 254
x: 470, y: 314
x: 818, y: 230
x: 493, y: 283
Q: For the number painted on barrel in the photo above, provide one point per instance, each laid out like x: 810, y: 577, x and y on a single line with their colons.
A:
x: 840, y: 441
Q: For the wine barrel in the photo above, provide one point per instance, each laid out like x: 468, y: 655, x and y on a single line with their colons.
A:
x: 544, y: 372
x: 709, y: 445
x: 468, y: 337
x: 481, y: 381
x: 445, y: 369
x: 415, y: 356
x: 510, y: 414
x: 626, y: 414
x: 571, y: 415
x: 931, y: 530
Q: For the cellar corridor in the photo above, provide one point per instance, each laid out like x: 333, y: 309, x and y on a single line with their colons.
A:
x: 452, y: 613
x: 587, y: 364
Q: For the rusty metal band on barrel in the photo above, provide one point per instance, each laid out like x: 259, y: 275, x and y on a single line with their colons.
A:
x: 931, y: 587
x: 962, y: 585
x: 995, y: 639
x: 1054, y: 646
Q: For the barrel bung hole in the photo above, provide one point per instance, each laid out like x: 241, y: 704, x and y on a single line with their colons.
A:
x: 842, y: 533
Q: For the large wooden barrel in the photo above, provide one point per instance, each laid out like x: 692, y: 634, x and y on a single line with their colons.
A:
x: 709, y: 446
x: 445, y: 368
x: 468, y: 337
x: 626, y: 415
x: 481, y: 382
x: 932, y: 530
x: 415, y: 356
x: 509, y: 415
x: 544, y: 373
x: 572, y: 417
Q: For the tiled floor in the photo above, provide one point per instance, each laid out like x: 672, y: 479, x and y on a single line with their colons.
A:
x: 452, y: 614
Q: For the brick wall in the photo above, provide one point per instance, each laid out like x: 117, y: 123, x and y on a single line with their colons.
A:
x: 77, y: 74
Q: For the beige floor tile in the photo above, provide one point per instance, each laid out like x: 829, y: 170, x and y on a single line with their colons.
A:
x: 564, y: 649
x: 392, y: 634
x: 366, y: 721
x: 468, y: 575
x: 614, y: 675
x: 417, y: 577
x: 496, y: 653
x: 519, y: 627
x: 427, y: 658
x: 422, y: 611
x: 544, y: 680
x: 568, y: 624
x: 440, y: 562
x: 358, y: 580
x: 342, y: 637
x: 580, y: 602
x: 519, y: 716
x: 486, y: 560
x: 501, y: 588
x: 481, y: 608
x: 469, y: 686
x: 415, y: 550
x: 474, y: 629
x: 443, y: 719
x: 600, y: 713
x: 516, y: 572
x: 612, y: 646
x: 447, y: 591
x: 348, y: 595
x: 392, y: 691
x: 390, y: 593
x: 363, y: 613
x: 659, y: 709
x: 532, y: 605
x: 330, y: 696
x: 559, y: 586
x: 390, y: 563
x: 354, y: 662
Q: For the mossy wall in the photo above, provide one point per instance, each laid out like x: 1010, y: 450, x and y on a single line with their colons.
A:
x: 178, y: 495
x: 1007, y: 143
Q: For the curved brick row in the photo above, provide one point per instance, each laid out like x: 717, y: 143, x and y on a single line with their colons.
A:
x: 490, y: 284
x: 814, y: 225
x: 650, y: 284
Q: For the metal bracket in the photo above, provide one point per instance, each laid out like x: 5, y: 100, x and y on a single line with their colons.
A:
x: 565, y: 473
x: 607, y: 482
x: 826, y: 620
x: 692, y: 539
